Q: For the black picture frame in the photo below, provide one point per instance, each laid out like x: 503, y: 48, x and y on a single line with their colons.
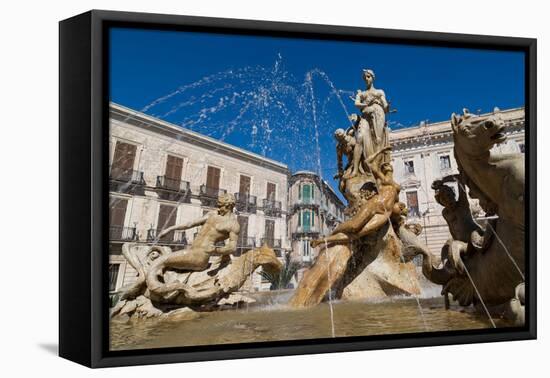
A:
x: 83, y: 154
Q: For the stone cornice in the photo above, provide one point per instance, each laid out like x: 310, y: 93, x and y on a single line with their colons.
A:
x: 132, y: 117
x: 440, y: 132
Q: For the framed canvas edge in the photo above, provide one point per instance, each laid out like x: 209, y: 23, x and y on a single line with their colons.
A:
x: 100, y: 357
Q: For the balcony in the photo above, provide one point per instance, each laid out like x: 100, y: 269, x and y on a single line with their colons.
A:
x: 125, y: 180
x: 245, y: 202
x: 271, y: 243
x: 246, y: 243
x: 177, y: 238
x: 272, y: 208
x: 306, y: 203
x: 305, y: 231
x: 209, y: 196
x: 122, y: 234
x: 173, y: 190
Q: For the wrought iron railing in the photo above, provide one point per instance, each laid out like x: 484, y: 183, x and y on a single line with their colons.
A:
x: 245, y: 202
x: 272, y: 207
x: 210, y: 192
x: 168, y: 183
x: 172, y: 238
x: 272, y: 243
x: 246, y: 242
x: 119, y: 233
x: 126, y: 175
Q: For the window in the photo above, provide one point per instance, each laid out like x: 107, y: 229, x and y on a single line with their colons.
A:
x: 117, y: 214
x: 213, y: 178
x: 269, y: 230
x: 306, y: 248
x: 521, y: 147
x: 271, y: 191
x: 412, y: 204
x: 167, y: 218
x: 244, y: 185
x: 307, y: 220
x: 445, y: 162
x: 172, y: 174
x: 113, y: 276
x: 409, y: 167
x: 243, y: 234
x: 307, y: 193
x: 123, y: 161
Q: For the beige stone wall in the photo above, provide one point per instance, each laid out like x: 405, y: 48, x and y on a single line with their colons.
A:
x: 154, y: 145
x: 424, y: 145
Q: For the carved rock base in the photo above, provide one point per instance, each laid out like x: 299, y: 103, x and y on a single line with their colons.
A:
x: 373, y: 270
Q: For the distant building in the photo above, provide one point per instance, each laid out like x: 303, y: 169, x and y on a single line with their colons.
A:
x: 161, y: 175
x: 314, y: 210
x: 424, y: 153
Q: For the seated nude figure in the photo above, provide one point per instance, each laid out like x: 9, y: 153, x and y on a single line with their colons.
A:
x: 217, y: 226
x: 372, y: 214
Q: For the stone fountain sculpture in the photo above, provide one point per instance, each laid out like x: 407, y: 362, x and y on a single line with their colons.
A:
x: 363, y: 257
x: 201, y: 277
x: 484, y: 267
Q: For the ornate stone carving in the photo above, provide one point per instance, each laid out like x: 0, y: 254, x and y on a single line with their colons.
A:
x: 200, y: 277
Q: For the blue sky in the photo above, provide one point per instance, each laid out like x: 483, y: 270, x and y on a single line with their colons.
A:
x: 273, y: 96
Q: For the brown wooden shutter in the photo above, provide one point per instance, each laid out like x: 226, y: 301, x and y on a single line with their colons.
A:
x: 243, y: 233
x: 269, y: 229
x: 174, y: 166
x: 412, y: 203
x: 123, y: 161
x: 271, y: 188
x: 117, y: 214
x: 167, y: 218
x: 213, y: 178
x: 244, y: 185
x: 118, y: 211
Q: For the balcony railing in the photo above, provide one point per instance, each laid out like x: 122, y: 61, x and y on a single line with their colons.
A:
x: 308, y: 201
x: 119, y: 233
x: 272, y: 243
x: 126, y: 175
x: 246, y: 243
x: 272, y: 207
x: 245, y: 202
x: 168, y: 183
x: 173, y: 238
x: 207, y: 191
x: 305, y: 231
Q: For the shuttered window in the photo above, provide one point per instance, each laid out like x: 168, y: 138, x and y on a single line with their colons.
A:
x: 117, y: 214
x: 213, y: 178
x: 167, y: 218
x: 243, y: 222
x: 244, y: 185
x: 123, y: 161
x: 412, y: 203
x: 269, y: 229
x: 271, y: 191
x: 113, y: 276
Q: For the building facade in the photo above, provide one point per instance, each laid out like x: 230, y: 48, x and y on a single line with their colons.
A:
x: 314, y: 211
x: 423, y: 154
x: 161, y: 175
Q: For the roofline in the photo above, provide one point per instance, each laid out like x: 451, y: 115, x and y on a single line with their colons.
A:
x: 442, y: 123
x: 194, y: 137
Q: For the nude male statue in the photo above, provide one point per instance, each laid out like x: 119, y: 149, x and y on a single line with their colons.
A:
x: 375, y: 212
x: 218, y: 225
